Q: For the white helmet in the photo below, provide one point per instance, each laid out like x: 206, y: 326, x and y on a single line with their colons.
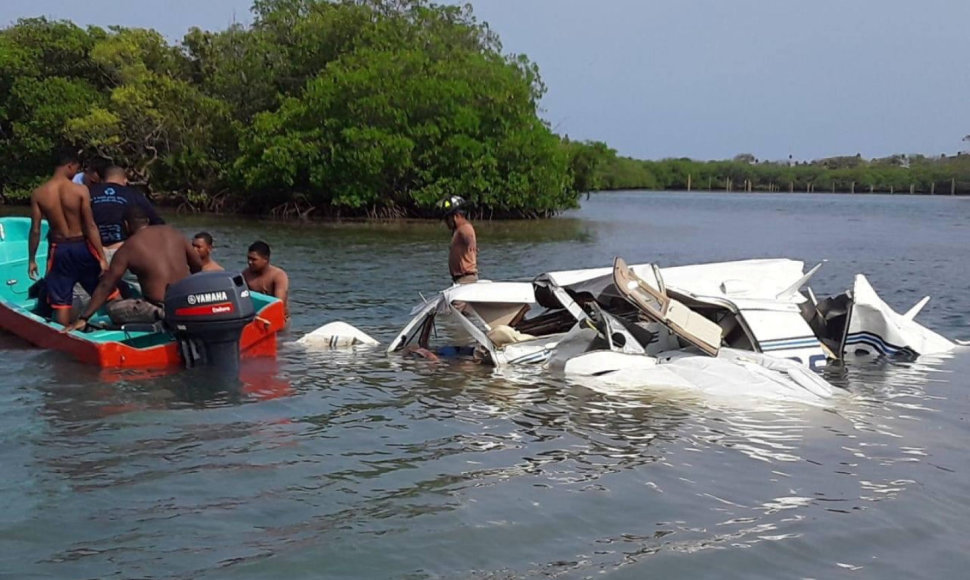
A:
x: 452, y: 205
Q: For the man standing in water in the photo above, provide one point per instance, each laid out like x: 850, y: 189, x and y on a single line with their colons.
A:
x: 202, y: 242
x: 463, y: 254
x: 159, y: 255
x: 263, y: 277
x: 75, y: 254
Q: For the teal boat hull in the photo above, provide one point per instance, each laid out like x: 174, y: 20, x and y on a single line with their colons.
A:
x: 108, y: 348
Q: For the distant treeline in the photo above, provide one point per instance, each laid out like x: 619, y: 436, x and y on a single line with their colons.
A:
x: 340, y: 107
x: 896, y: 174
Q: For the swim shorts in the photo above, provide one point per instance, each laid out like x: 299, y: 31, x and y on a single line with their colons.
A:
x: 69, y: 262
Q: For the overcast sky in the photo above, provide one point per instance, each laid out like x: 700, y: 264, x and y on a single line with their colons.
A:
x: 706, y: 79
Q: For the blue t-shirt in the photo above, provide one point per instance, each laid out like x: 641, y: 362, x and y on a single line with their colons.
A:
x: 108, y: 204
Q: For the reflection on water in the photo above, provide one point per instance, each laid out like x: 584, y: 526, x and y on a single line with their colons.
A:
x: 356, y: 464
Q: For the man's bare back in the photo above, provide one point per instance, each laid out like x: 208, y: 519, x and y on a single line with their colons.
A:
x: 60, y: 201
x: 75, y: 254
x: 67, y: 208
x: 159, y: 256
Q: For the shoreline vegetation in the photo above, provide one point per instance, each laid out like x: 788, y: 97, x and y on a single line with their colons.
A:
x: 347, y: 109
x: 909, y: 174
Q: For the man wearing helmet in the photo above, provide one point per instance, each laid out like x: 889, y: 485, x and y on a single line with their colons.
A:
x: 463, y: 255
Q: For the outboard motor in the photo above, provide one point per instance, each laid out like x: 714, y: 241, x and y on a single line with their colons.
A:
x: 207, y: 312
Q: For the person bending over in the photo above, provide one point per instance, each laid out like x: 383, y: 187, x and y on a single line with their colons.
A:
x: 158, y: 256
x: 91, y: 174
x: 109, y: 199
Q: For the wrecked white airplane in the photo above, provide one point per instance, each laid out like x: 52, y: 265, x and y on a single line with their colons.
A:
x: 725, y: 327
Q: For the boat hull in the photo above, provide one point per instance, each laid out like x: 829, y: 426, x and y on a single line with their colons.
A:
x: 105, y: 348
x: 258, y: 339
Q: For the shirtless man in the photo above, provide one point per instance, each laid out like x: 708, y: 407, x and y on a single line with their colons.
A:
x: 75, y: 254
x: 263, y: 277
x: 202, y: 242
x: 463, y: 253
x: 158, y: 255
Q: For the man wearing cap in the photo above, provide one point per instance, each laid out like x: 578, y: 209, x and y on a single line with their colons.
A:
x: 463, y: 255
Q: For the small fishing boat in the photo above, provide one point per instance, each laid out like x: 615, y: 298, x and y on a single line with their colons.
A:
x: 102, y: 344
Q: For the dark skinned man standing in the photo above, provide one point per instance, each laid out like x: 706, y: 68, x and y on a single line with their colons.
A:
x: 75, y: 254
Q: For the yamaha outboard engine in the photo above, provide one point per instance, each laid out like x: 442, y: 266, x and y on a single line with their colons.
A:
x: 207, y: 312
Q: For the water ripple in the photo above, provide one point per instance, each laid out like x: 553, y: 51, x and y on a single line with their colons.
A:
x: 357, y: 464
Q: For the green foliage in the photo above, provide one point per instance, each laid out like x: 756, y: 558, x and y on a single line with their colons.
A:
x: 242, y: 67
x: 131, y: 55
x: 50, y: 48
x: 841, y: 174
x: 44, y: 82
x: 355, y: 106
x: 409, y: 104
x: 38, y: 110
x: 587, y: 162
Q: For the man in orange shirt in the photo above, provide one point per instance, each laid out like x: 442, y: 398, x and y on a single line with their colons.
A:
x: 463, y: 254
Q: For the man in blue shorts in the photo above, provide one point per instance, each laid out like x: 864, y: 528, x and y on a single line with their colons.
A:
x: 75, y: 254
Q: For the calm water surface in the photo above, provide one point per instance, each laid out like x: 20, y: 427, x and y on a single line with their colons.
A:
x: 356, y: 465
